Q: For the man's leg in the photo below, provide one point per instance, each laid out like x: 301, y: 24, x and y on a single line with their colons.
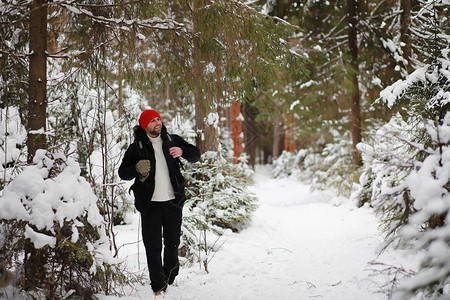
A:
x: 151, y: 234
x: 171, y: 232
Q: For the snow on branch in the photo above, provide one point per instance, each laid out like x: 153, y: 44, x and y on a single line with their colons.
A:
x: 47, y: 203
x: 156, y: 23
x: 431, y: 75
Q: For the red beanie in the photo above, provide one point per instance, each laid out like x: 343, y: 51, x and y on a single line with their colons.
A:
x: 146, y: 116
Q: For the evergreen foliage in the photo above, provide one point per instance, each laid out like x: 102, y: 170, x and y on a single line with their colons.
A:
x: 13, y: 58
x: 218, y: 199
x: 12, y: 143
x: 321, y: 97
x: 89, y: 43
x: 286, y: 164
x: 106, y: 62
x: 430, y: 31
x: 49, y: 214
x: 321, y: 101
x: 407, y: 177
x: 388, y: 159
x: 330, y: 168
x: 335, y: 169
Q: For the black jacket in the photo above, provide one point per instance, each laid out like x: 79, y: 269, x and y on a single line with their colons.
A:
x: 142, y: 148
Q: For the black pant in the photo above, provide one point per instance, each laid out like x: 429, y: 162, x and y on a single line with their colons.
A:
x: 163, y: 220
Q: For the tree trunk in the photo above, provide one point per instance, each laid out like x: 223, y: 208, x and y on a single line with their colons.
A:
x: 276, y: 138
x: 251, y: 133
x: 405, y: 32
x: 34, y: 260
x: 354, y: 72
x: 37, y: 105
x: 289, y: 136
x: 236, y: 130
x: 207, y: 132
x: 35, y: 267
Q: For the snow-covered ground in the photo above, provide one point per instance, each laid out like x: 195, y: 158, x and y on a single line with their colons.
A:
x: 300, y: 245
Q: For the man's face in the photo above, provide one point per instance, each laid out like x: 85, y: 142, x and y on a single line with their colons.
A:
x: 154, y: 127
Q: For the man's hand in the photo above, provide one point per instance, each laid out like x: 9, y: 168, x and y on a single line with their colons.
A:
x: 175, y: 152
x: 143, y: 168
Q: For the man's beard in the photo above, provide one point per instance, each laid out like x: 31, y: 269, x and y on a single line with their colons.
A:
x: 155, y: 133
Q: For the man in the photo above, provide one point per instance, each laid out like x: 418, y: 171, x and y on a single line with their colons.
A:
x: 152, y: 160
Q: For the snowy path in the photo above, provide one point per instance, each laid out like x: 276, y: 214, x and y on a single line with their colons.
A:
x: 300, y: 245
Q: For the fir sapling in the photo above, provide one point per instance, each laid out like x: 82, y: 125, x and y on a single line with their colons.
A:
x: 58, y: 229
x: 218, y: 200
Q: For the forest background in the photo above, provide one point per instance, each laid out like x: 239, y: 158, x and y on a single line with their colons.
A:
x: 351, y: 95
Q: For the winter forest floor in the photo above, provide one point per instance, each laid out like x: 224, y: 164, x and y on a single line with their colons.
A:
x: 300, y: 245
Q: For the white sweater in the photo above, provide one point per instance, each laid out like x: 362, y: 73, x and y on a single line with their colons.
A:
x: 163, y: 186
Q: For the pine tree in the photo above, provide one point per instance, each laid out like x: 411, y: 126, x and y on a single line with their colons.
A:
x: 404, y: 177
